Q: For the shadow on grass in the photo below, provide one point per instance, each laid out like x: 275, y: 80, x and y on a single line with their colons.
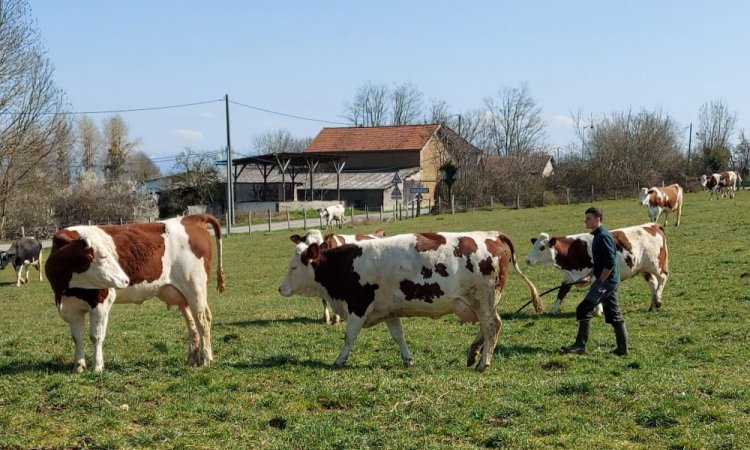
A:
x: 280, y: 361
x: 7, y: 283
x: 270, y: 322
x: 532, y: 315
x: 507, y: 351
x: 36, y: 367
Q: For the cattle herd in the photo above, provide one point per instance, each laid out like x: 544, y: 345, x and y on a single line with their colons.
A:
x: 362, y: 279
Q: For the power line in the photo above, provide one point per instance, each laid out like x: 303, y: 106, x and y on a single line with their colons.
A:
x: 153, y: 108
x: 286, y: 115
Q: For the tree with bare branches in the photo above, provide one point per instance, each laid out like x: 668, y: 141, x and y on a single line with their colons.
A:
x: 716, y: 124
x: 406, y: 104
x: 118, y: 147
x: 515, y: 126
x: 279, y: 141
x: 34, y: 131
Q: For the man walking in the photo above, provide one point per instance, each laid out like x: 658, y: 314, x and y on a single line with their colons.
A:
x: 603, y: 290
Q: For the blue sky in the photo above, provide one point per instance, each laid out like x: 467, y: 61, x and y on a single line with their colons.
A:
x: 308, y: 59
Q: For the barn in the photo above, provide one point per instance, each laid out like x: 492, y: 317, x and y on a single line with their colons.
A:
x: 357, y: 165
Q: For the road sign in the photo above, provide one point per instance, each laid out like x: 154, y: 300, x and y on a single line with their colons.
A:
x: 396, y: 179
x: 396, y: 192
x: 419, y: 190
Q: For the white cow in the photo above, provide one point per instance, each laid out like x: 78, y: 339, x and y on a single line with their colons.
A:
x: 331, y: 213
x: 425, y: 274
x: 314, y: 236
x: 723, y: 183
x: 641, y: 250
x: 92, y: 267
x: 662, y: 199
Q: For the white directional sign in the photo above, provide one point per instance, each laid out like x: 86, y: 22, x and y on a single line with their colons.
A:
x: 419, y: 190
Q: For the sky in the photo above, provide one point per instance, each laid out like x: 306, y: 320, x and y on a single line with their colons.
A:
x: 294, y: 65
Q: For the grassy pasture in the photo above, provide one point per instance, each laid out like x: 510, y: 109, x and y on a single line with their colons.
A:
x: 686, y: 383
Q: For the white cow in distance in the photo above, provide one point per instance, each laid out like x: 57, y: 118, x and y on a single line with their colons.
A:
x: 334, y: 212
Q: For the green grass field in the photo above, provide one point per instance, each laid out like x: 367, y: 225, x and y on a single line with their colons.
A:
x: 686, y: 383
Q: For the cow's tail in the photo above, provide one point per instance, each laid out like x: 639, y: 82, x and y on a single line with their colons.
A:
x: 220, y: 283
x: 538, y: 306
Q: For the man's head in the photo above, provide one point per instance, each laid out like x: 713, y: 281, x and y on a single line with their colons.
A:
x: 593, y: 218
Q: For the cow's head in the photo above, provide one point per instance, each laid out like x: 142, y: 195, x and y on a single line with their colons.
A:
x: 542, y: 250
x: 4, y: 259
x: 704, y: 180
x: 88, y: 258
x: 644, y: 196
x: 300, y: 275
x: 323, y: 212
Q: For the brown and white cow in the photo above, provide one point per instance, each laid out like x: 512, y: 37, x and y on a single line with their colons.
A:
x: 333, y: 241
x: 641, y: 249
x: 92, y: 267
x: 662, y: 199
x: 724, y: 183
x: 408, y: 275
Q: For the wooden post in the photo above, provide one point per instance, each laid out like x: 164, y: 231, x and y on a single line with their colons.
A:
x: 381, y: 213
x: 367, y: 213
x: 269, y: 219
x: 23, y: 232
x: 304, y: 218
x: 351, y: 214
x: 249, y: 221
x: 288, y: 221
x: 592, y: 193
x: 567, y: 192
x: 453, y: 203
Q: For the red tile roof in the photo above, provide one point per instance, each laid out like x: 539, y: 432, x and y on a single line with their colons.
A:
x: 353, y: 139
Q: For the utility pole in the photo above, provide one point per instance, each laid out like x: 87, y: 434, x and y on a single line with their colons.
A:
x: 690, y: 142
x: 230, y: 190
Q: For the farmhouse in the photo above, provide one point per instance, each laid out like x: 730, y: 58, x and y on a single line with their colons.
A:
x: 356, y: 165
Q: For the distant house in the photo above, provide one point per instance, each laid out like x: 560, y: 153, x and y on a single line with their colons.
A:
x: 540, y: 166
x: 360, y: 167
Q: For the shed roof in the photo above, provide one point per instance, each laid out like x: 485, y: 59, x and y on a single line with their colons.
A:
x: 363, y: 139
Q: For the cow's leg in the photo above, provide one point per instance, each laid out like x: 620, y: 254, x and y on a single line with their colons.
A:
x: 490, y: 324
x: 202, y: 315
x: 397, y: 331
x: 194, y: 343
x: 474, y: 348
x: 560, y: 297
x: 656, y: 282
x: 38, y: 265
x: 73, y: 311
x: 98, y: 329
x: 19, y: 275
x: 326, y: 312
x: 353, y: 326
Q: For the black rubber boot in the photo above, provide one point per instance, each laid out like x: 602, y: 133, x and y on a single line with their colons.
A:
x: 621, y: 336
x: 579, y: 347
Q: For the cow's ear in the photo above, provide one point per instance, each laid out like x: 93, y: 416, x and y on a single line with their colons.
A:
x: 313, y: 252
x: 533, y: 241
x: 552, y: 242
x: 296, y: 238
x: 88, y: 253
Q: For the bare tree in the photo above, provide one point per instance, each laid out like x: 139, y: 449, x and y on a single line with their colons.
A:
x: 196, y: 182
x: 118, y: 146
x: 33, y: 130
x: 741, y: 155
x: 715, y: 128
x: 279, y: 141
x: 141, y: 168
x: 89, y: 143
x: 515, y: 126
x: 406, y: 104
x: 370, y: 106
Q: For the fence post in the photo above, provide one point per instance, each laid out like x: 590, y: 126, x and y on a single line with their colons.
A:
x: 592, y: 193
x: 351, y: 214
x: 518, y: 200
x: 367, y: 213
x: 304, y: 217
x: 453, y: 203
x: 288, y: 221
x: 567, y: 192
x: 23, y: 232
x: 269, y: 219
x: 381, y: 213
x: 249, y: 221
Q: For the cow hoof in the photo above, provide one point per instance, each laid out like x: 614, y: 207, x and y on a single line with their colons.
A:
x: 472, y: 359
x: 408, y: 363
x: 339, y: 363
x: 481, y: 367
x: 79, y: 368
